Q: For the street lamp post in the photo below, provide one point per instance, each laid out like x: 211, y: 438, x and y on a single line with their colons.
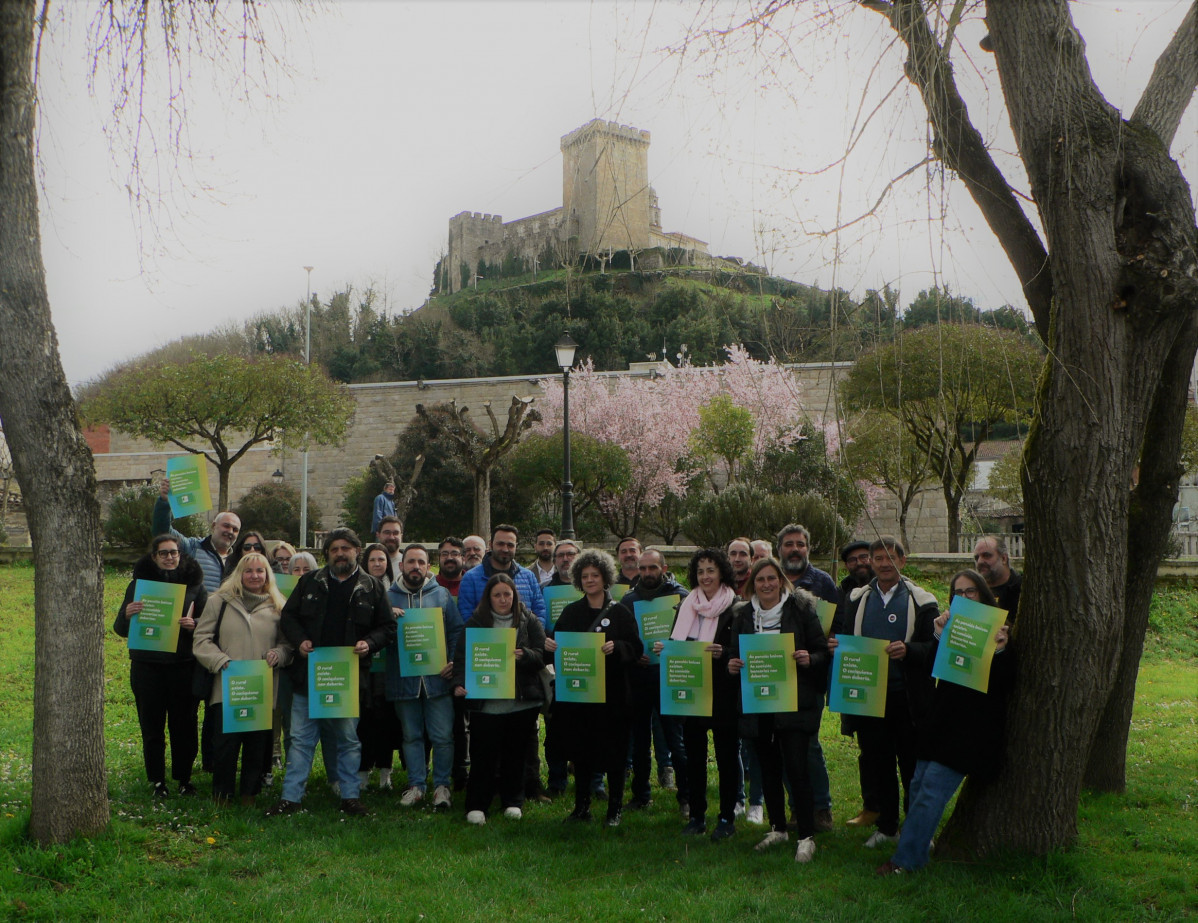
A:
x: 307, y: 361
x: 564, y: 348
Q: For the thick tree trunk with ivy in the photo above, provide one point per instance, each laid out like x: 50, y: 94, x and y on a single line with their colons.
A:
x: 1114, y: 291
x: 54, y: 467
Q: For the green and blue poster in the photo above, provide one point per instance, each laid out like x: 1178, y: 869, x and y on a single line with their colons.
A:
x: 967, y: 643
x: 581, y: 667
x: 333, y: 683
x: 655, y: 620
x: 156, y: 627
x: 189, y: 494
x: 557, y: 598
x: 286, y: 583
x: 860, y: 669
x: 825, y: 611
x: 420, y: 636
x: 247, y: 691
x: 768, y: 680
x: 490, y: 663
x: 686, y: 678
x: 618, y: 590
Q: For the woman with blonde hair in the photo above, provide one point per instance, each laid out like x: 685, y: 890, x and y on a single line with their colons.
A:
x: 241, y: 622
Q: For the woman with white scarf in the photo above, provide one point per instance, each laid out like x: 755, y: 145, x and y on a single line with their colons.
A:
x: 707, y: 614
x: 782, y: 738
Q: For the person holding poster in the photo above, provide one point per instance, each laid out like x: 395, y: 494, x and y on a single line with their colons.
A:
x: 782, y: 738
x: 162, y: 680
x: 378, y: 726
x: 421, y: 697
x: 656, y: 583
x: 241, y: 622
x: 707, y: 615
x: 595, y: 735
x: 339, y: 605
x: 500, y: 728
x: 963, y: 737
x: 894, y: 609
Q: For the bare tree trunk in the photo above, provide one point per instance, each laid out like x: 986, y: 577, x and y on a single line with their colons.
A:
x: 1148, y: 535
x: 54, y: 467
x: 222, y: 493
x: 482, y: 503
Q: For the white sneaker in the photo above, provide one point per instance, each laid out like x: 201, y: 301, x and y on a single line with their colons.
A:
x: 363, y: 778
x: 513, y: 813
x: 754, y: 814
x: 412, y: 796
x: 773, y: 838
x: 806, y: 850
x: 442, y: 799
x: 385, y: 780
x: 476, y: 817
x: 668, y: 780
x: 336, y: 787
x: 740, y: 810
x: 879, y: 838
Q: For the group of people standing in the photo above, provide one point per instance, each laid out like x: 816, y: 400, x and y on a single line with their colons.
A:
x: 929, y: 739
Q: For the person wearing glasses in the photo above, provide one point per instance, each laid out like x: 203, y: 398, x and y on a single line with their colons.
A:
x: 162, y: 681
x: 963, y: 737
x: 209, y: 552
x: 564, y: 553
x: 248, y: 542
x: 451, y: 564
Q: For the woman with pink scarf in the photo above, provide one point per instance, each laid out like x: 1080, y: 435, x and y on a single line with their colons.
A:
x: 707, y: 615
x: 782, y: 738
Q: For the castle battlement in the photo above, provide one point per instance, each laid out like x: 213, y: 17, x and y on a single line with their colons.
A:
x: 610, y: 129
x: 607, y: 205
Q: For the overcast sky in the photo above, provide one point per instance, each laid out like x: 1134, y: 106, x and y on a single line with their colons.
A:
x: 393, y: 116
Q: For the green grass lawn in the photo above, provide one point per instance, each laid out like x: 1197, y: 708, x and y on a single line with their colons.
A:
x: 1136, y: 858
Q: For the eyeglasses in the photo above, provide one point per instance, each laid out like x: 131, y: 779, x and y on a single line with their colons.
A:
x: 163, y: 553
x: 451, y: 554
x: 253, y: 546
x: 970, y: 592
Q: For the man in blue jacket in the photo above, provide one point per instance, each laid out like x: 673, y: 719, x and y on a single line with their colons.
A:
x: 501, y: 559
x: 424, y: 703
x: 211, y: 550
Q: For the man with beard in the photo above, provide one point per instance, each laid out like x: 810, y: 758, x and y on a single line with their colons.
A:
x: 628, y: 553
x: 655, y: 581
x: 501, y: 559
x: 389, y: 534
x: 473, y: 549
x: 564, y: 553
x: 794, y: 545
x: 450, y: 564
x: 424, y: 703
x: 855, y: 556
x: 740, y: 554
x: 209, y: 552
x: 993, y: 563
x: 339, y: 605
x: 542, y: 568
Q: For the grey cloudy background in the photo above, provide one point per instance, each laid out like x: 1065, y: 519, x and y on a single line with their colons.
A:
x: 393, y: 116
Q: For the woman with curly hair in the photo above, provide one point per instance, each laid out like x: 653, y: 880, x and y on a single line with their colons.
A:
x: 596, y: 735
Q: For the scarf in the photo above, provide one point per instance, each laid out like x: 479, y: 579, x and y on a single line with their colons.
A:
x: 706, y: 611
x: 768, y: 620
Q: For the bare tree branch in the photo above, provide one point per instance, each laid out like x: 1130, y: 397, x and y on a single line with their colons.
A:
x: 1174, y: 79
x: 961, y: 146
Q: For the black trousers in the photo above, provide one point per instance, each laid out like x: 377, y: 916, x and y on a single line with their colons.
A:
x: 254, y: 748
x: 165, y: 701
x: 783, y: 755
x: 497, y: 748
x: 380, y: 733
x: 885, y: 742
x: 727, y: 763
x: 596, y: 737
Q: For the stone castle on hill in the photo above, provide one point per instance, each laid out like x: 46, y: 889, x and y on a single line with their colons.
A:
x: 607, y: 207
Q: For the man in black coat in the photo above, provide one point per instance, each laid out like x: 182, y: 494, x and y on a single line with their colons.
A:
x: 339, y: 605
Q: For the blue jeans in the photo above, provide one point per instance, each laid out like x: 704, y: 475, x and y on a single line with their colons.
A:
x: 817, y: 772
x: 435, y: 716
x: 932, y: 786
x: 305, y: 732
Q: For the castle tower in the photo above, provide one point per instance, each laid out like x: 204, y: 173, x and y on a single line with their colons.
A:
x: 605, y: 185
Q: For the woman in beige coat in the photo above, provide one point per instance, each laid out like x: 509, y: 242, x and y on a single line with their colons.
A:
x: 241, y: 622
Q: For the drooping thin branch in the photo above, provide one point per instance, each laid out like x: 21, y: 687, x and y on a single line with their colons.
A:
x: 961, y: 146
x: 1174, y: 80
